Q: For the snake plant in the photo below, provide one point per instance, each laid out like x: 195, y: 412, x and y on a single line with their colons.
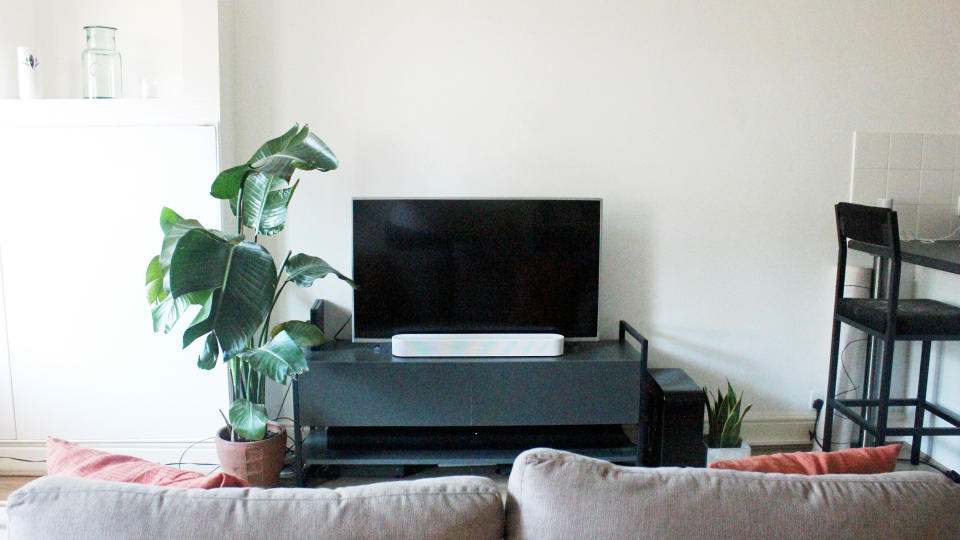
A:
x: 235, y: 281
x: 725, y: 417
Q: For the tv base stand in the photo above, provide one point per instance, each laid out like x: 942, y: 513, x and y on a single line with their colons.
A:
x: 364, y: 406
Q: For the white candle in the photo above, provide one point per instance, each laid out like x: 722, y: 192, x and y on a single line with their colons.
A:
x: 27, y: 73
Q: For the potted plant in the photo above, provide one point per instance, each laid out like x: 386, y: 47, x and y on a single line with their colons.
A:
x: 236, y: 284
x: 725, y: 416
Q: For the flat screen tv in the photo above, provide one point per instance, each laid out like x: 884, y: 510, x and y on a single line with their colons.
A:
x: 476, y: 266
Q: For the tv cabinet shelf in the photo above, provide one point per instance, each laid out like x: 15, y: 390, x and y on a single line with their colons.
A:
x: 363, y: 386
x: 449, y: 458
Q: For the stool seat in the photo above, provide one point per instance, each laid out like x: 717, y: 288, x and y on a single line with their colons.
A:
x: 915, y: 317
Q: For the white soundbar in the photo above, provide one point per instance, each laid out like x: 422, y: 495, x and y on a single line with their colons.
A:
x: 450, y: 345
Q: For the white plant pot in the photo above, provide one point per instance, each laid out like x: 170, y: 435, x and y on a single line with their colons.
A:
x: 720, y: 454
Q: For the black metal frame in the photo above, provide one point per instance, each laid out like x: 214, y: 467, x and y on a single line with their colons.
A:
x: 635, y: 454
x: 879, y: 228
x: 625, y: 329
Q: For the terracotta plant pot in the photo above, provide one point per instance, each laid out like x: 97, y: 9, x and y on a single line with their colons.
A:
x: 257, y: 462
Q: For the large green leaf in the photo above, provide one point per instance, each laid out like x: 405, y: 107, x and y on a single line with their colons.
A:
x: 303, y: 269
x: 168, y: 218
x: 263, y: 182
x: 304, y: 333
x: 227, y: 184
x: 243, y: 278
x: 278, y: 359
x: 167, y: 312
x: 293, y: 150
x: 208, y: 356
x: 265, y: 201
x: 173, y: 235
x: 155, y: 273
x: 249, y: 419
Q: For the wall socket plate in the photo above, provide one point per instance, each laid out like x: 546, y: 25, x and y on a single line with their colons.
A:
x: 815, y: 395
x: 956, y: 210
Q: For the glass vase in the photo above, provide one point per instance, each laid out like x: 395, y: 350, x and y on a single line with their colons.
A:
x: 100, y: 63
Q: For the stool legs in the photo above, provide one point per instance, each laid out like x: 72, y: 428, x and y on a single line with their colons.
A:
x: 831, y: 387
x: 921, y: 401
x: 883, y: 401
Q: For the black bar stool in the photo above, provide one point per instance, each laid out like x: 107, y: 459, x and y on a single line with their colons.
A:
x: 887, y: 320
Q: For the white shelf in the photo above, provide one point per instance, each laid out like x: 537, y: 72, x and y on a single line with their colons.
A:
x: 173, y: 42
x: 108, y: 112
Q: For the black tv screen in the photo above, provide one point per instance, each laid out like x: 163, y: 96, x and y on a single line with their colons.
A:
x: 475, y: 266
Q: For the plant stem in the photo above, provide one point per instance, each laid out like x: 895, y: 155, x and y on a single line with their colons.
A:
x: 240, y: 210
x: 276, y: 296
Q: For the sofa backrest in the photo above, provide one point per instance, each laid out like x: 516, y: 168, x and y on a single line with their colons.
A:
x: 554, y: 494
x: 449, y: 507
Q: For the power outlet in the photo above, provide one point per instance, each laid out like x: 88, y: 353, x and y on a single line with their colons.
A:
x: 957, y: 209
x: 814, y: 396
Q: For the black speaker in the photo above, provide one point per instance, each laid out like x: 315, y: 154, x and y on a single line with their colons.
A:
x: 674, y: 420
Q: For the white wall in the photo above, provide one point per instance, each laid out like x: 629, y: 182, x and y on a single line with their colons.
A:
x: 717, y: 133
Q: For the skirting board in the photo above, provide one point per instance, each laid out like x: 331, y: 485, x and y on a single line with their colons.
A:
x: 792, y: 429
x: 772, y: 430
x: 777, y: 430
x: 156, y: 451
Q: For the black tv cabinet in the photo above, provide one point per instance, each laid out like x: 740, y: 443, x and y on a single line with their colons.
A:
x: 363, y: 386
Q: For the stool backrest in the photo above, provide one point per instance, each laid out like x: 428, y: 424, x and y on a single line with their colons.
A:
x: 870, y: 224
x: 878, y: 227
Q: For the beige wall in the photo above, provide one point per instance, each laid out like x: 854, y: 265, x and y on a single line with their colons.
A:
x: 718, y: 134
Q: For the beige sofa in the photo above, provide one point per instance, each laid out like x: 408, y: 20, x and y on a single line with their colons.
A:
x: 551, y: 494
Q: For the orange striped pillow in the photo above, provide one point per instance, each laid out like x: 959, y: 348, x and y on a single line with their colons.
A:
x: 65, y: 458
x: 873, y: 460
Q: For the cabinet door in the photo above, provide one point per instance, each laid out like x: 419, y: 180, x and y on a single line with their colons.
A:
x: 78, y: 225
x: 556, y: 393
x: 8, y: 427
x: 385, y: 394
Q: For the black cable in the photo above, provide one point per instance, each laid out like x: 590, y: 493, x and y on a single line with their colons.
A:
x: 282, y: 401
x: 854, y: 388
x: 25, y: 460
x: 335, y: 336
x: 187, y: 449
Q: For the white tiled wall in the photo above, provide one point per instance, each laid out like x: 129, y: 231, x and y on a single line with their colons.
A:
x: 919, y: 171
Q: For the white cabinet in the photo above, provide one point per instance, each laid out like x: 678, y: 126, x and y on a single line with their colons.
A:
x: 8, y: 426
x: 78, y: 225
x: 83, y: 185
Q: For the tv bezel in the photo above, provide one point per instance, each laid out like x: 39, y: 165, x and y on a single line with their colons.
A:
x: 353, y: 318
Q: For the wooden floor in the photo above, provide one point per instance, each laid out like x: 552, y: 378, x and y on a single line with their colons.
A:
x: 10, y: 483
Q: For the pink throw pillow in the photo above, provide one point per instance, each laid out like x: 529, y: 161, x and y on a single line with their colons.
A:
x: 873, y: 460
x: 65, y: 458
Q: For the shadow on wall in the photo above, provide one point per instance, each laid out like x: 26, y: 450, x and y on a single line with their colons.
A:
x: 673, y: 351
x: 626, y: 270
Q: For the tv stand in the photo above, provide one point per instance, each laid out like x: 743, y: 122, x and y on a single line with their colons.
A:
x: 364, y: 406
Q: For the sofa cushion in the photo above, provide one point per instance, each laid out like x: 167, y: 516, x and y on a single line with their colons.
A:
x: 553, y: 494
x: 872, y: 460
x: 450, y: 507
x: 65, y: 458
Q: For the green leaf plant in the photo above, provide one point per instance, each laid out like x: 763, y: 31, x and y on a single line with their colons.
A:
x: 235, y: 281
x: 725, y: 418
